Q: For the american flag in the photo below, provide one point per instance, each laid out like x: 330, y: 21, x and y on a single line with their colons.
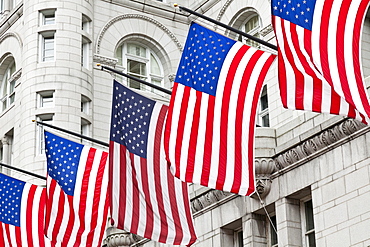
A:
x: 319, y: 58
x: 77, y: 193
x: 22, y: 211
x: 146, y: 199
x: 209, y: 133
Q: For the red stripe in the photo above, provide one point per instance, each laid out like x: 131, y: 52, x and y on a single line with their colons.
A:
x: 324, y: 29
x: 41, y: 217
x: 111, y: 181
x: 245, y: 85
x: 60, y: 214
x: 122, y: 187
x: 167, y: 130
x: 146, y: 194
x: 96, y: 200
x: 7, y: 233
x: 48, y: 205
x: 181, y: 128
x: 18, y: 236
x: 157, y: 159
x: 189, y: 217
x: 2, y: 236
x: 317, y: 83
x: 282, y: 79
x: 356, y: 55
x: 207, y: 159
x: 252, y: 125
x: 105, y: 216
x: 340, y: 51
x: 174, y: 209
x: 71, y: 220
x: 83, y: 195
x: 29, y: 217
x: 135, y: 198
x: 193, y: 138
x: 225, y: 117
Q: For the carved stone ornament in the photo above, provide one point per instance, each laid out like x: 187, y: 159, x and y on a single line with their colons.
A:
x: 266, y: 30
x: 207, y: 199
x: 318, y: 142
x: 105, y: 60
x: 172, y: 77
x: 120, y: 238
x: 264, y: 168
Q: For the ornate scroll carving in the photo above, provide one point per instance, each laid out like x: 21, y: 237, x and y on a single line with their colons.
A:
x: 117, y: 238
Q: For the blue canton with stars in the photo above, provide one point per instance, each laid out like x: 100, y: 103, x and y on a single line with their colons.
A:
x: 11, y: 191
x: 299, y: 12
x: 130, y: 119
x: 202, y: 59
x: 63, y: 157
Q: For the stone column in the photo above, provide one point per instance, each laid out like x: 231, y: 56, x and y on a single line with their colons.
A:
x: 254, y: 230
x: 288, y: 222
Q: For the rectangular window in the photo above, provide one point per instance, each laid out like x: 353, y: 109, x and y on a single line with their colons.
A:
x: 309, y: 222
x: 47, y: 17
x: 273, y: 234
x: 85, y: 104
x: 47, y: 46
x: 85, y: 25
x: 45, y: 99
x: 46, y: 118
x: 85, y: 48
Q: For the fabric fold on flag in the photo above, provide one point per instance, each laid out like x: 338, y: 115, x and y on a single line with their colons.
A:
x: 319, y: 56
x: 77, y: 193
x: 22, y: 214
x: 146, y: 199
x: 209, y: 131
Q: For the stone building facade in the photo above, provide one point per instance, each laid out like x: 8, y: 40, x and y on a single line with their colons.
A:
x: 313, y: 170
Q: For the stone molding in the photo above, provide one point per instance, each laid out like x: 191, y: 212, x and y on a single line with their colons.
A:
x: 266, y: 30
x: 105, y: 60
x: 223, y: 10
x: 10, y: 34
x: 137, y: 16
x: 116, y: 237
x: 317, y: 143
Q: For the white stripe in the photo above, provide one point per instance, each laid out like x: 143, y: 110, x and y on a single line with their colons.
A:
x: 129, y: 192
x: 12, y: 239
x: 348, y: 54
x: 142, y: 203
x: 6, y: 240
x: 77, y: 192
x: 151, y: 175
x: 332, y: 49
x: 66, y: 214
x: 102, y: 203
x: 23, y: 218
x: 166, y: 198
x: 116, y: 171
x: 35, y: 211
x: 90, y: 197
x: 201, y: 139
x: 230, y: 162
x: 246, y: 151
x: 181, y: 210
x: 187, y: 133
x: 316, y: 29
x: 289, y: 73
x: 174, y: 125
x: 217, y: 114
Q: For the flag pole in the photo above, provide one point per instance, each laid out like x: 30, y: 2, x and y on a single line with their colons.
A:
x: 23, y: 171
x: 164, y: 90
x: 72, y: 133
x: 228, y: 27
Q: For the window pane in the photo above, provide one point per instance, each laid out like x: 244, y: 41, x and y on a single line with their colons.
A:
x: 273, y: 235
x: 134, y: 84
x: 251, y: 24
x: 240, y: 239
x: 136, y: 50
x: 48, y: 53
x: 154, y: 66
x: 311, y: 240
x: 309, y: 215
x: 136, y: 67
x: 49, y: 19
x: 119, y: 55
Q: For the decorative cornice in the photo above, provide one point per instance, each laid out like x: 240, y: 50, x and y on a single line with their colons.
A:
x: 16, y: 75
x: 105, y: 60
x: 116, y: 238
x: 223, y: 10
x: 317, y: 143
x: 137, y: 16
x: 210, y: 197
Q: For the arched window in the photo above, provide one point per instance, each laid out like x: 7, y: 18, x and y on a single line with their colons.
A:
x: 251, y: 26
x: 8, y: 84
x: 141, y: 62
